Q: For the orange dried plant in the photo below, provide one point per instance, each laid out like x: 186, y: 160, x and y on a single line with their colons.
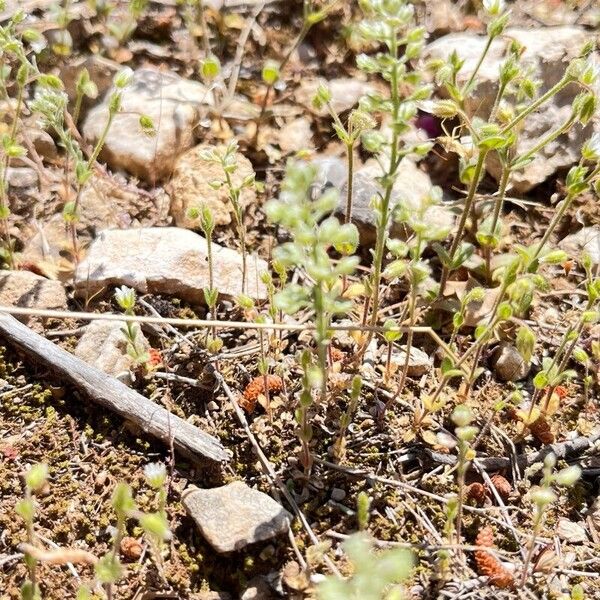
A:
x: 487, y: 564
x: 502, y: 485
x: 476, y: 492
x: 257, y: 387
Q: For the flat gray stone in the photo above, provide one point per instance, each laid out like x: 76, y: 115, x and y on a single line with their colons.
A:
x: 165, y: 260
x: 411, y: 186
x: 234, y: 515
x: 419, y: 362
x: 29, y: 290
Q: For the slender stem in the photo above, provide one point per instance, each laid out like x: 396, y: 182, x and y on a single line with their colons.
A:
x: 463, y: 218
x: 537, y: 524
x: 461, y: 471
x: 499, y: 202
x: 467, y: 88
x: 382, y: 228
x: 548, y: 139
x: 349, y: 188
x: 535, y: 105
x: 321, y: 335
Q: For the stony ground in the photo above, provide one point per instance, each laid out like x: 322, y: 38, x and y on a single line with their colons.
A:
x: 135, y: 230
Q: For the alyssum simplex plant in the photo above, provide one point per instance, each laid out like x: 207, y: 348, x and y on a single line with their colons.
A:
x: 313, y: 232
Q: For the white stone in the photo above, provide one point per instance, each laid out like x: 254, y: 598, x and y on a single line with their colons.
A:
x: 29, y: 290
x: 104, y: 346
x: 174, y: 105
x: 165, y: 260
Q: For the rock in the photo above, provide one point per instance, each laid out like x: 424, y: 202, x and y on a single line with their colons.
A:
x: 568, y: 531
x: 258, y: 589
x: 338, y: 494
x: 48, y: 247
x: 295, y: 136
x: 174, y: 105
x: 165, y: 260
x: 190, y: 187
x: 508, y: 364
x: 331, y: 171
x: 419, y: 362
x: 234, y: 515
x: 345, y: 93
x: 443, y: 16
x: 107, y: 205
x: 21, y: 177
x: 104, y: 346
x: 585, y: 240
x: 28, y: 290
x: 411, y: 186
x: 548, y: 51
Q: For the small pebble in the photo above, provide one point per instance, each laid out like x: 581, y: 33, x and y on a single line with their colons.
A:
x: 338, y: 494
x: 212, y: 406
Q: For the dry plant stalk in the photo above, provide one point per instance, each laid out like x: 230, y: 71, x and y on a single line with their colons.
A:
x: 62, y: 556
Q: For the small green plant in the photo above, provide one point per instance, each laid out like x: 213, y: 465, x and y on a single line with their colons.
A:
x: 313, y: 234
x: 543, y: 496
x: 226, y: 158
x: 50, y: 103
x: 465, y: 433
x: 126, y: 299
x: 391, y: 24
x: 35, y: 480
x: 108, y: 568
x: 376, y: 576
x: 339, y: 448
x: 359, y: 122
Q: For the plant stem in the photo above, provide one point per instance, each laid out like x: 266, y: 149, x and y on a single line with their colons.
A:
x: 349, y: 190
x: 263, y: 107
x: 536, y: 531
x: 467, y: 88
x: 382, y: 225
x: 463, y: 218
x: 535, y: 105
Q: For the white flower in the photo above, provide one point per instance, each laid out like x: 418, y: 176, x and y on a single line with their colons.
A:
x: 591, y: 149
x: 590, y: 73
x: 123, y: 78
x: 125, y: 297
x: 494, y: 7
x: 155, y: 474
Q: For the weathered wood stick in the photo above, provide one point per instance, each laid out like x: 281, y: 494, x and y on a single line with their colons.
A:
x: 114, y: 395
x: 567, y: 450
